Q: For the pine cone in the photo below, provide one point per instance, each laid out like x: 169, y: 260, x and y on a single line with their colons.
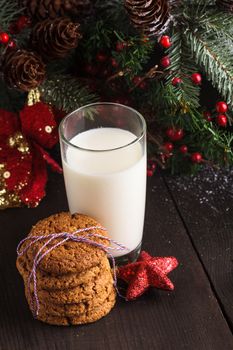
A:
x: 226, y: 5
x: 151, y: 16
x: 23, y: 69
x: 55, y: 38
x: 43, y: 9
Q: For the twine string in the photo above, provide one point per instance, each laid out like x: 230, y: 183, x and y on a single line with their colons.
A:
x: 65, y: 236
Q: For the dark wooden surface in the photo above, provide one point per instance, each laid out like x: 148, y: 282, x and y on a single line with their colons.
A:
x: 197, y: 315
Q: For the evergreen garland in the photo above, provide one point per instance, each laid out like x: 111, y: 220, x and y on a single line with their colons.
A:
x: 125, y: 66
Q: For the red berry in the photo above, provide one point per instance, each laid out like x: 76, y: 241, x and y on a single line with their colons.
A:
x: 222, y: 120
x: 178, y: 135
x: 165, y: 61
x: 168, y: 146
x: 165, y: 41
x: 120, y: 45
x: 196, y: 78
x: 101, y: 57
x: 151, y: 164
x: 176, y: 81
x: 4, y: 38
x: 12, y: 44
x: 170, y: 133
x: 114, y: 62
x: 183, y: 149
x: 221, y: 107
x: 175, y: 134
x: 207, y: 116
x: 150, y: 172
x: 196, y: 157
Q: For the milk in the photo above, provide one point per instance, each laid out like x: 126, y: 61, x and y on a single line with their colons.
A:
x: 109, y: 185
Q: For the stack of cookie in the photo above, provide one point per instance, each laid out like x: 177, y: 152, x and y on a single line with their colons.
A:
x: 74, y: 280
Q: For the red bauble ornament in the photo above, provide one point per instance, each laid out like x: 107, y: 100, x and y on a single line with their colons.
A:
x: 165, y: 61
x: 196, y: 78
x: 175, y: 134
x: 145, y: 272
x: 176, y: 81
x: 4, y: 38
x: 221, y: 107
x: 114, y: 62
x: 183, y: 149
x: 168, y: 146
x: 207, y: 116
x: 120, y: 45
x: 222, y: 120
x: 196, y: 157
x: 101, y: 57
x: 165, y: 41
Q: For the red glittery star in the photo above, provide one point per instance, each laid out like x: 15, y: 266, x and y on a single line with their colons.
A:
x: 145, y: 272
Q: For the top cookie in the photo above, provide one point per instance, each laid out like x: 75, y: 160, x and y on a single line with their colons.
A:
x: 70, y: 256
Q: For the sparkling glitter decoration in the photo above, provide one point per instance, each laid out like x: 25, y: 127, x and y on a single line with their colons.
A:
x: 145, y: 272
x: 23, y: 173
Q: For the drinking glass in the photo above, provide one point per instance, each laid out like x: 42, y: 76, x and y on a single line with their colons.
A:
x: 103, y: 149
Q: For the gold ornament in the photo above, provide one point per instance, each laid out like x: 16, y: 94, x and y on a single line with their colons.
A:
x: 18, y: 141
x: 7, y: 199
x: 33, y: 97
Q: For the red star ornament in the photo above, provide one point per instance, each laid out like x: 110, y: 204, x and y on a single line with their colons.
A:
x: 145, y: 272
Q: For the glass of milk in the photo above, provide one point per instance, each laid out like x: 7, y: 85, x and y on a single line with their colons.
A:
x: 103, y: 148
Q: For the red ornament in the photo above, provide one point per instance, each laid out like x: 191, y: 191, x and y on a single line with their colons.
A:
x: 183, y: 149
x: 222, y: 120
x: 176, y: 81
x: 120, y: 45
x: 114, y: 62
x: 22, y: 154
x: 207, y: 116
x: 165, y: 41
x: 175, y: 134
x: 196, y: 157
x: 39, y: 124
x: 221, y: 107
x: 165, y: 61
x: 145, y: 272
x: 168, y: 146
x: 196, y: 78
x: 101, y: 57
x: 4, y: 38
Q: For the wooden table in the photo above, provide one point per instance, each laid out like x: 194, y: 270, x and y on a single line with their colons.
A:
x: 197, y: 315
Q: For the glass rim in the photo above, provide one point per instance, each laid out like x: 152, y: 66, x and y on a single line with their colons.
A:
x: 137, y: 138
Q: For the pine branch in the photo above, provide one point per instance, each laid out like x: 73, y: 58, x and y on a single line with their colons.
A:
x: 215, y: 57
x: 11, y: 99
x: 182, y: 66
x: 133, y: 58
x: 9, y: 10
x: 65, y: 93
